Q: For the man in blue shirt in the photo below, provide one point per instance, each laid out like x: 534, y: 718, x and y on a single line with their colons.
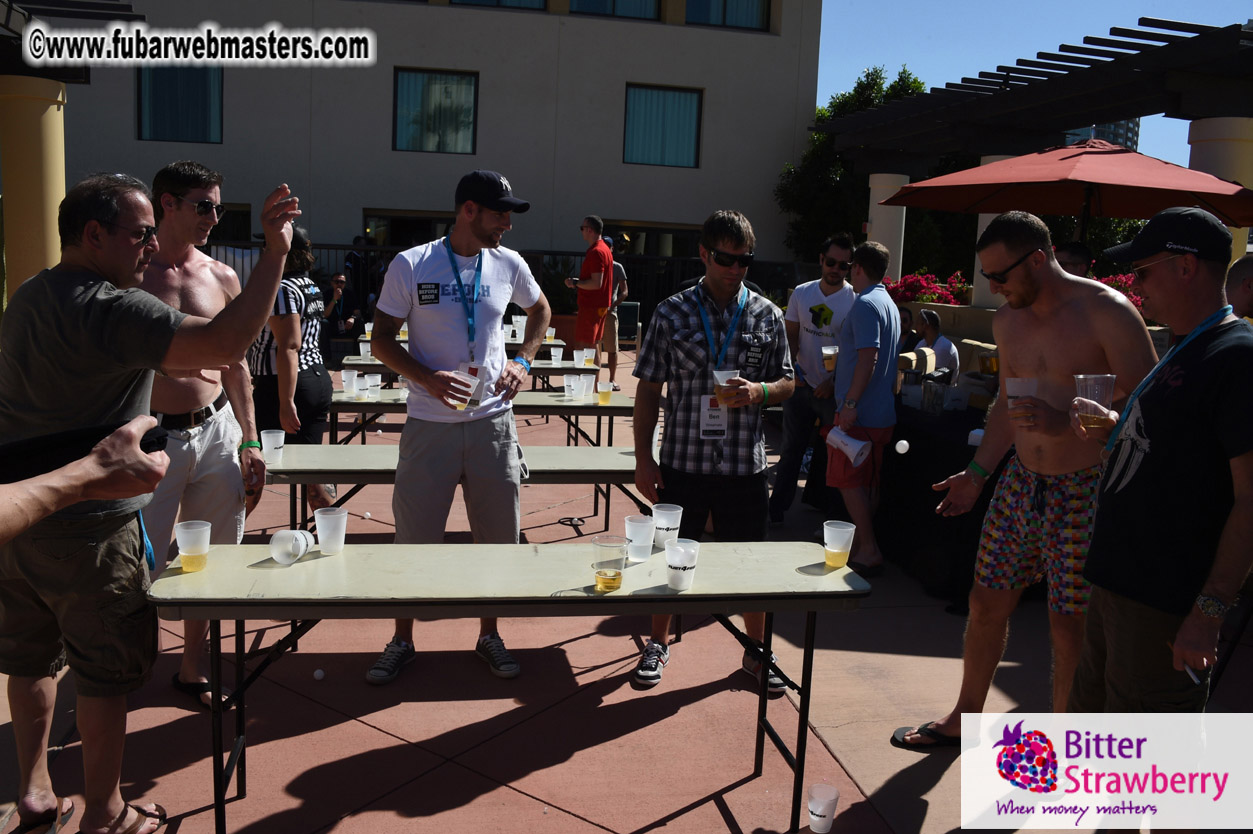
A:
x: 865, y: 374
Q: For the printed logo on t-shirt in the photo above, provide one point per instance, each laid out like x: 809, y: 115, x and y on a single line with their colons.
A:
x: 754, y: 356
x: 454, y: 292
x: 821, y: 315
x: 428, y: 294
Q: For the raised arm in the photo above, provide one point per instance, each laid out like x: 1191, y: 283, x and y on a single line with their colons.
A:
x: 222, y: 340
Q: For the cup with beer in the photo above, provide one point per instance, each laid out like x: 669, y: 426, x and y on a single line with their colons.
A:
x: 1017, y: 386
x: 1095, y: 390
x: 837, y: 540
x: 609, y: 554
x: 193, y: 544
x: 722, y: 389
x: 989, y: 363
x: 550, y: 334
x: 829, y: 354
x: 466, y: 381
x: 604, y: 390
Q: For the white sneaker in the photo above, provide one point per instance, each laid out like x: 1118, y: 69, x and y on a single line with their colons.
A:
x: 652, y: 661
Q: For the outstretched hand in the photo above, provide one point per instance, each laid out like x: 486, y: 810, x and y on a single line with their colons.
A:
x: 118, y: 468
x: 278, y: 213
x: 963, y: 491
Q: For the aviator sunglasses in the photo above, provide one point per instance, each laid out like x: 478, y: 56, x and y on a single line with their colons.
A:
x: 727, y: 259
x: 203, y: 207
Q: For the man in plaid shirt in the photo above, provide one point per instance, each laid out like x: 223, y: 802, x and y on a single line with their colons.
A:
x: 713, y: 456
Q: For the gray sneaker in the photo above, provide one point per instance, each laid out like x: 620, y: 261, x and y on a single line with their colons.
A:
x: 752, y: 666
x: 492, y: 649
x: 652, y: 661
x: 387, y: 667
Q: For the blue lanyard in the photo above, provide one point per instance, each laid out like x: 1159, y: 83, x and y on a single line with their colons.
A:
x: 1214, y: 319
x: 709, y: 333
x: 468, y: 306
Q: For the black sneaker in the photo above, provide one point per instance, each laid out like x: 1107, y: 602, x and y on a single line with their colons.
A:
x: 752, y: 665
x: 652, y: 661
x: 492, y: 649
x: 387, y: 667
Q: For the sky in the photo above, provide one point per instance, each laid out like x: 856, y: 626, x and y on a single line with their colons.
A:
x: 941, y: 42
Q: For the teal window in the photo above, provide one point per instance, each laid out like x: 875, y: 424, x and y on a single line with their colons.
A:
x: 662, y: 126
x: 180, y: 104
x: 642, y: 9
x: 737, y: 14
x: 435, y: 111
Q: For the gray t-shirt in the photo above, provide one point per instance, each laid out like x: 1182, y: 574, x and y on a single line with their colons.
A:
x: 76, y: 351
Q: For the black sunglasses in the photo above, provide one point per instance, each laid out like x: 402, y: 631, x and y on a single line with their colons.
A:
x: 1003, y: 276
x: 203, y: 207
x: 146, y: 233
x: 832, y: 263
x: 727, y: 259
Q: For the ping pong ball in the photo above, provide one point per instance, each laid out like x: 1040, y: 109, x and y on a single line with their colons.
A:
x: 902, y: 446
x: 367, y: 515
x: 318, y: 674
x: 379, y: 432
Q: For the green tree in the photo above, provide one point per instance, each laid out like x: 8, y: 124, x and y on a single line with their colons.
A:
x: 825, y: 193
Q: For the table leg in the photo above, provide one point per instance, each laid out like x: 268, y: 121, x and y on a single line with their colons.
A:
x: 240, y: 748
x: 215, y: 717
x: 334, y: 427
x: 802, y: 726
x: 293, y: 495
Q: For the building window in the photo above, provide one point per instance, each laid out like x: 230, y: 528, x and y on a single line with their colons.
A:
x: 504, y: 4
x: 642, y: 9
x: 662, y: 126
x: 737, y: 14
x: 435, y: 111
x: 180, y: 104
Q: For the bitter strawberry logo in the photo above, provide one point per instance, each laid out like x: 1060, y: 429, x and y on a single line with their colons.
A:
x: 1028, y: 760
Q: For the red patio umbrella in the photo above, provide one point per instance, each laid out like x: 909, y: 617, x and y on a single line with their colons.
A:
x: 1089, y: 178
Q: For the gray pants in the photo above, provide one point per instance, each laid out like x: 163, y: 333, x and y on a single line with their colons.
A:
x: 481, y: 455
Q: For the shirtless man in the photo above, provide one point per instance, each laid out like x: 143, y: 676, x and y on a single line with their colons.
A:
x: 215, y: 457
x: 1052, y: 326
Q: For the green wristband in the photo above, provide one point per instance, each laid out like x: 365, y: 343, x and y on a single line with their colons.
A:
x: 978, y: 470
x: 765, y: 394
x: 249, y: 444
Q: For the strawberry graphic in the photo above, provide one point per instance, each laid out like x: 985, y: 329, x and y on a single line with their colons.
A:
x: 1028, y: 760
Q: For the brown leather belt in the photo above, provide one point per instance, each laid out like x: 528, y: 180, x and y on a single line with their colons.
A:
x: 179, y: 422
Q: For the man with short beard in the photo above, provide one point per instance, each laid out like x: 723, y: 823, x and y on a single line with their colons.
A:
x: 215, y: 453
x: 453, y: 293
x: 1053, y: 325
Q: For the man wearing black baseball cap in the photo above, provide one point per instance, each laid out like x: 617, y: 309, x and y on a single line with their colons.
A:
x: 1175, y: 512
x: 453, y: 292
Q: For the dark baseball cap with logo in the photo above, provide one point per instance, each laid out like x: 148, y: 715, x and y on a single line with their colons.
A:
x: 1183, y: 231
x: 488, y: 188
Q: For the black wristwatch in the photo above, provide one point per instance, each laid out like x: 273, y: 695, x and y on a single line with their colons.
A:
x: 1212, y: 606
x: 850, y: 403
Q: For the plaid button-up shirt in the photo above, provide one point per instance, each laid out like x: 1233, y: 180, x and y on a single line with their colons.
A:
x: 676, y: 351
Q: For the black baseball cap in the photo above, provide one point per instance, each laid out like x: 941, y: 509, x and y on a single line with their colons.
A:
x: 1184, y: 231
x: 488, y: 188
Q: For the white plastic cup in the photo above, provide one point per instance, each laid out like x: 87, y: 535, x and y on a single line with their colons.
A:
x: 639, y: 529
x: 557, y: 354
x: 272, y: 445
x: 830, y: 353
x: 721, y: 378
x: 837, y: 538
x: 467, y: 381
x: 550, y: 334
x: 369, y: 329
x: 666, y: 517
x: 604, y: 390
x: 193, y: 544
x: 519, y: 323
x: 332, y: 525
x: 374, y: 384
x: 823, y: 800
x: 589, y: 357
x: 589, y: 387
x: 856, y: 450
x: 350, y: 382
x: 364, y: 348
x: 681, y: 563
x: 1018, y: 386
x: 286, y: 546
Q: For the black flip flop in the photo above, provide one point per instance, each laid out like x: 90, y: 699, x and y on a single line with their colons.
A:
x: 938, y: 739
x: 194, y: 690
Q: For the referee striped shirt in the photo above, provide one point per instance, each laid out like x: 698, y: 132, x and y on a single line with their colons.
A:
x: 298, y: 294
x: 676, y: 351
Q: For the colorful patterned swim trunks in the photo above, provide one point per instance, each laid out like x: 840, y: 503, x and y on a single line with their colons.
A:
x: 1040, y: 525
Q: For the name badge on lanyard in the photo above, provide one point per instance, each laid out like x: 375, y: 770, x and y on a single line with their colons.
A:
x: 713, y: 414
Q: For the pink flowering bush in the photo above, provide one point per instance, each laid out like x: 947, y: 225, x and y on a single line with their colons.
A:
x: 1122, y: 283
x: 925, y: 287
